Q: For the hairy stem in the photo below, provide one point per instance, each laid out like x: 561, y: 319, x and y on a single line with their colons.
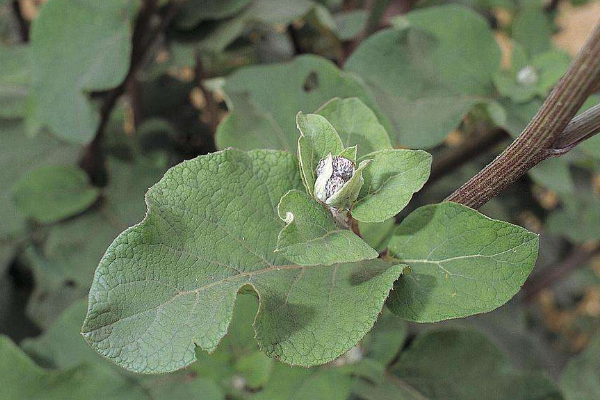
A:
x: 537, y: 140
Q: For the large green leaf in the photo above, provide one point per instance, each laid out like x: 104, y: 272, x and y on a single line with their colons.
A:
x: 51, y: 193
x: 169, y: 283
x: 263, y: 116
x: 581, y: 378
x: 77, y: 48
x: 462, y: 263
x: 391, y: 178
x: 427, y: 75
x: 464, y: 364
x: 311, y: 236
x: 356, y: 124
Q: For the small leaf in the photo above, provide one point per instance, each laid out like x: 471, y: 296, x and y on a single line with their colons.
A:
x: 49, y: 194
x: 462, y: 263
x: 391, y: 178
x: 311, y: 236
x: 318, y: 138
x: 356, y: 124
x: 168, y: 284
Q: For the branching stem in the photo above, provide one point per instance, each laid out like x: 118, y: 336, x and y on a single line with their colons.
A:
x: 537, y: 141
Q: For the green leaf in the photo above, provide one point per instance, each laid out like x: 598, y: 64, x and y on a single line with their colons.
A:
x: 462, y: 263
x: 384, y: 342
x: 533, y: 29
x: 578, y: 219
x: 76, y: 49
x: 311, y: 236
x: 169, y: 283
x: 263, y: 116
x: 350, y: 24
x: 554, y: 174
x: 51, y: 193
x: 24, y: 154
x: 14, y: 81
x: 580, y: 379
x: 318, y: 138
x: 61, y: 345
x: 377, y: 234
x: 255, y: 368
x: 195, y: 11
x: 356, y: 124
x: 464, y: 364
x: 21, y: 379
x: 305, y: 384
x: 391, y: 178
x: 447, y: 56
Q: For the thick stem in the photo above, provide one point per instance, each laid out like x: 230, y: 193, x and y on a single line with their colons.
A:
x: 536, y: 141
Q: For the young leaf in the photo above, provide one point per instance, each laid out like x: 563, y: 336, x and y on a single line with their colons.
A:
x: 462, y: 263
x: 472, y: 367
x: 76, y: 49
x: 356, y: 124
x: 391, y: 178
x: 317, y: 139
x: 169, y: 283
x: 311, y: 236
x: 51, y: 193
x: 266, y: 116
x: 447, y: 56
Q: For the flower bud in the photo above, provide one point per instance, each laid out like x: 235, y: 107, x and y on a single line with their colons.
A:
x: 332, y: 174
